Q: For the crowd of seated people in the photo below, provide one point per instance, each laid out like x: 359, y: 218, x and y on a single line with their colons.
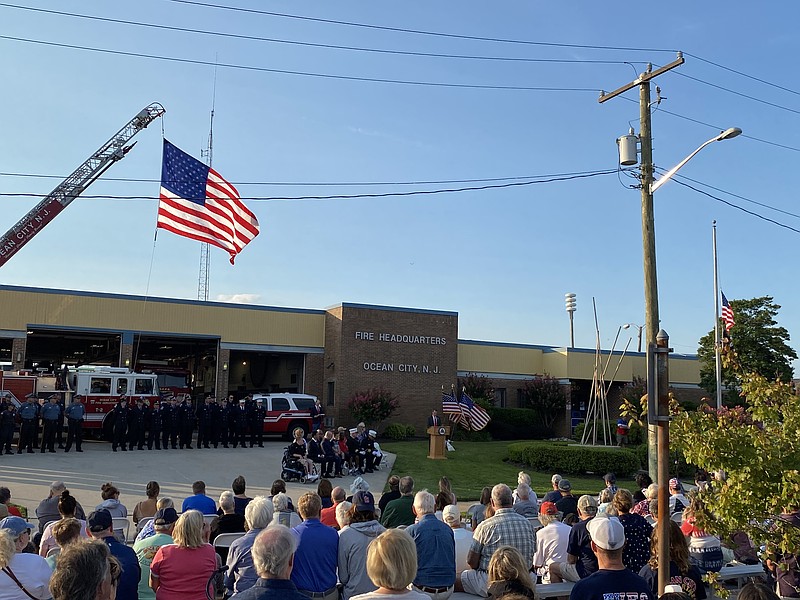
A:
x: 325, y: 545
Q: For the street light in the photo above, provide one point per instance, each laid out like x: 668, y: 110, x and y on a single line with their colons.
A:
x: 725, y: 135
x: 639, y: 327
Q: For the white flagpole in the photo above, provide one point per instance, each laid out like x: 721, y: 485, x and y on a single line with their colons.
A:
x: 717, y: 341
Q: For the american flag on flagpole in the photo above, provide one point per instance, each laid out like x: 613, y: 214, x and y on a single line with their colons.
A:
x: 197, y: 203
x: 453, y: 409
x: 478, y: 417
x: 727, y: 313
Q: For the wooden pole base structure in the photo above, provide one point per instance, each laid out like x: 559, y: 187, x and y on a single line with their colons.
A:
x: 438, y: 435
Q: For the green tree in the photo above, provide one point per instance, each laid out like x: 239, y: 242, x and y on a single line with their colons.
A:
x: 546, y: 397
x: 758, y: 448
x: 477, y: 386
x: 760, y: 345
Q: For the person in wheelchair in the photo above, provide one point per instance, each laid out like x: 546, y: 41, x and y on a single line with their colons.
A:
x: 298, y: 450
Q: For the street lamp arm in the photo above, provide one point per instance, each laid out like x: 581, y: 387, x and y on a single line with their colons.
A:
x: 725, y: 135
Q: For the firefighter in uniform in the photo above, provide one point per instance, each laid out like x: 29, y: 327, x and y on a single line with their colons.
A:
x: 28, y: 413
x: 186, y: 422
x: 51, y: 417
x: 225, y: 420
x: 216, y: 424
x: 174, y: 422
x: 257, y: 424
x: 237, y: 424
x: 138, y: 424
x: 135, y: 421
x: 154, y: 431
x: 204, y: 423
x: 75, y: 413
x: 121, y: 414
x: 8, y: 423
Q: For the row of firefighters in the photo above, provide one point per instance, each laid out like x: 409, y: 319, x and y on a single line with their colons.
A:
x: 170, y: 423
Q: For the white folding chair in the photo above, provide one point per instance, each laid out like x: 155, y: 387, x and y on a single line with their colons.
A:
x: 143, y: 523
x: 224, y: 540
x: 122, y: 524
x: 677, y: 517
x: 651, y: 519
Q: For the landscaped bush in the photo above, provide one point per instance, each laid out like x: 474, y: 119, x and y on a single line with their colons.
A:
x: 574, y: 460
x: 399, y: 431
x: 636, y: 435
x: 458, y: 434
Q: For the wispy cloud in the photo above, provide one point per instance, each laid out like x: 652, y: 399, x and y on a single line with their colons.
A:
x: 239, y: 298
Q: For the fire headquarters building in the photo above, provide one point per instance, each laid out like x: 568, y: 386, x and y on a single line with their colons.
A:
x: 222, y: 348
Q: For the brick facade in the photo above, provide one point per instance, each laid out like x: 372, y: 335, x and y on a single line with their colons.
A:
x: 411, y: 353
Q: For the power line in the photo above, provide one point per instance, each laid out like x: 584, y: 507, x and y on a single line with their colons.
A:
x: 736, y: 206
x: 718, y: 128
x: 417, y: 31
x: 352, y: 196
x: 325, y: 183
x: 751, y: 201
x: 740, y: 94
x: 302, y: 73
x: 753, y: 77
x: 316, y: 45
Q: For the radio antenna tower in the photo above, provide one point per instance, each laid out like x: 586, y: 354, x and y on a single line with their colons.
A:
x: 205, y: 254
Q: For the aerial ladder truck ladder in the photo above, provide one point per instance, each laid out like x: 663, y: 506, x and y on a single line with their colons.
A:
x: 73, y: 186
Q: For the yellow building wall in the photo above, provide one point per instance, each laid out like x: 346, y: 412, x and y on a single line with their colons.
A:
x: 493, y: 358
x: 18, y: 309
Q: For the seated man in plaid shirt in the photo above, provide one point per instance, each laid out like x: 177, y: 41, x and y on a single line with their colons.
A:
x: 505, y: 528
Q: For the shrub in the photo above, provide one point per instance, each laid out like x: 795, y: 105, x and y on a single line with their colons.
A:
x: 372, y: 406
x: 517, y: 424
x: 636, y: 435
x: 458, y: 434
x: 574, y: 460
x: 399, y: 431
x: 546, y: 397
x: 477, y: 386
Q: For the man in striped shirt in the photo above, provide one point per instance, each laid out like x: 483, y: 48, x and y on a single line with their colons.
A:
x: 505, y: 528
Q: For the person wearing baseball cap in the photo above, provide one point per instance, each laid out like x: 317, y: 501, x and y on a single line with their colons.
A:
x: 677, y: 500
x: 21, y: 569
x: 551, y: 540
x: 607, y: 541
x: 581, y: 560
x: 353, y: 542
x: 164, y: 523
x: 567, y: 504
x: 101, y: 527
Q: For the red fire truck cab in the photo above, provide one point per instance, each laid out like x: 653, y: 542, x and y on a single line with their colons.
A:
x: 101, y: 388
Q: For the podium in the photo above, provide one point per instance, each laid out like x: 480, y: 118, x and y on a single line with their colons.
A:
x: 437, y: 449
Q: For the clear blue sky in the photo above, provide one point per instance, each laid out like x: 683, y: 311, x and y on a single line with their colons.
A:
x: 501, y: 258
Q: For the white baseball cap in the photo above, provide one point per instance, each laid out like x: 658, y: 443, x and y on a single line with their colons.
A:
x: 606, y: 532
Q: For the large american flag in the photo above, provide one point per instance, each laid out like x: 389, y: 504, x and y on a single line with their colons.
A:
x: 727, y: 313
x: 197, y: 203
x: 478, y: 417
x: 453, y: 409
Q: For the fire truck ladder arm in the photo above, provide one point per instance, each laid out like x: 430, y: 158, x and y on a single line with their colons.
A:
x: 73, y: 186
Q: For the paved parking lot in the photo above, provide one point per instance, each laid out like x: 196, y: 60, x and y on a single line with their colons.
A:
x: 29, y: 475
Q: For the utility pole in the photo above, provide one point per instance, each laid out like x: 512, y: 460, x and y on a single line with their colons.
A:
x: 657, y: 438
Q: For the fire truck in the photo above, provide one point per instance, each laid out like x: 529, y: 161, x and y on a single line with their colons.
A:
x: 101, y: 388
x: 172, y: 381
x: 16, y: 386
